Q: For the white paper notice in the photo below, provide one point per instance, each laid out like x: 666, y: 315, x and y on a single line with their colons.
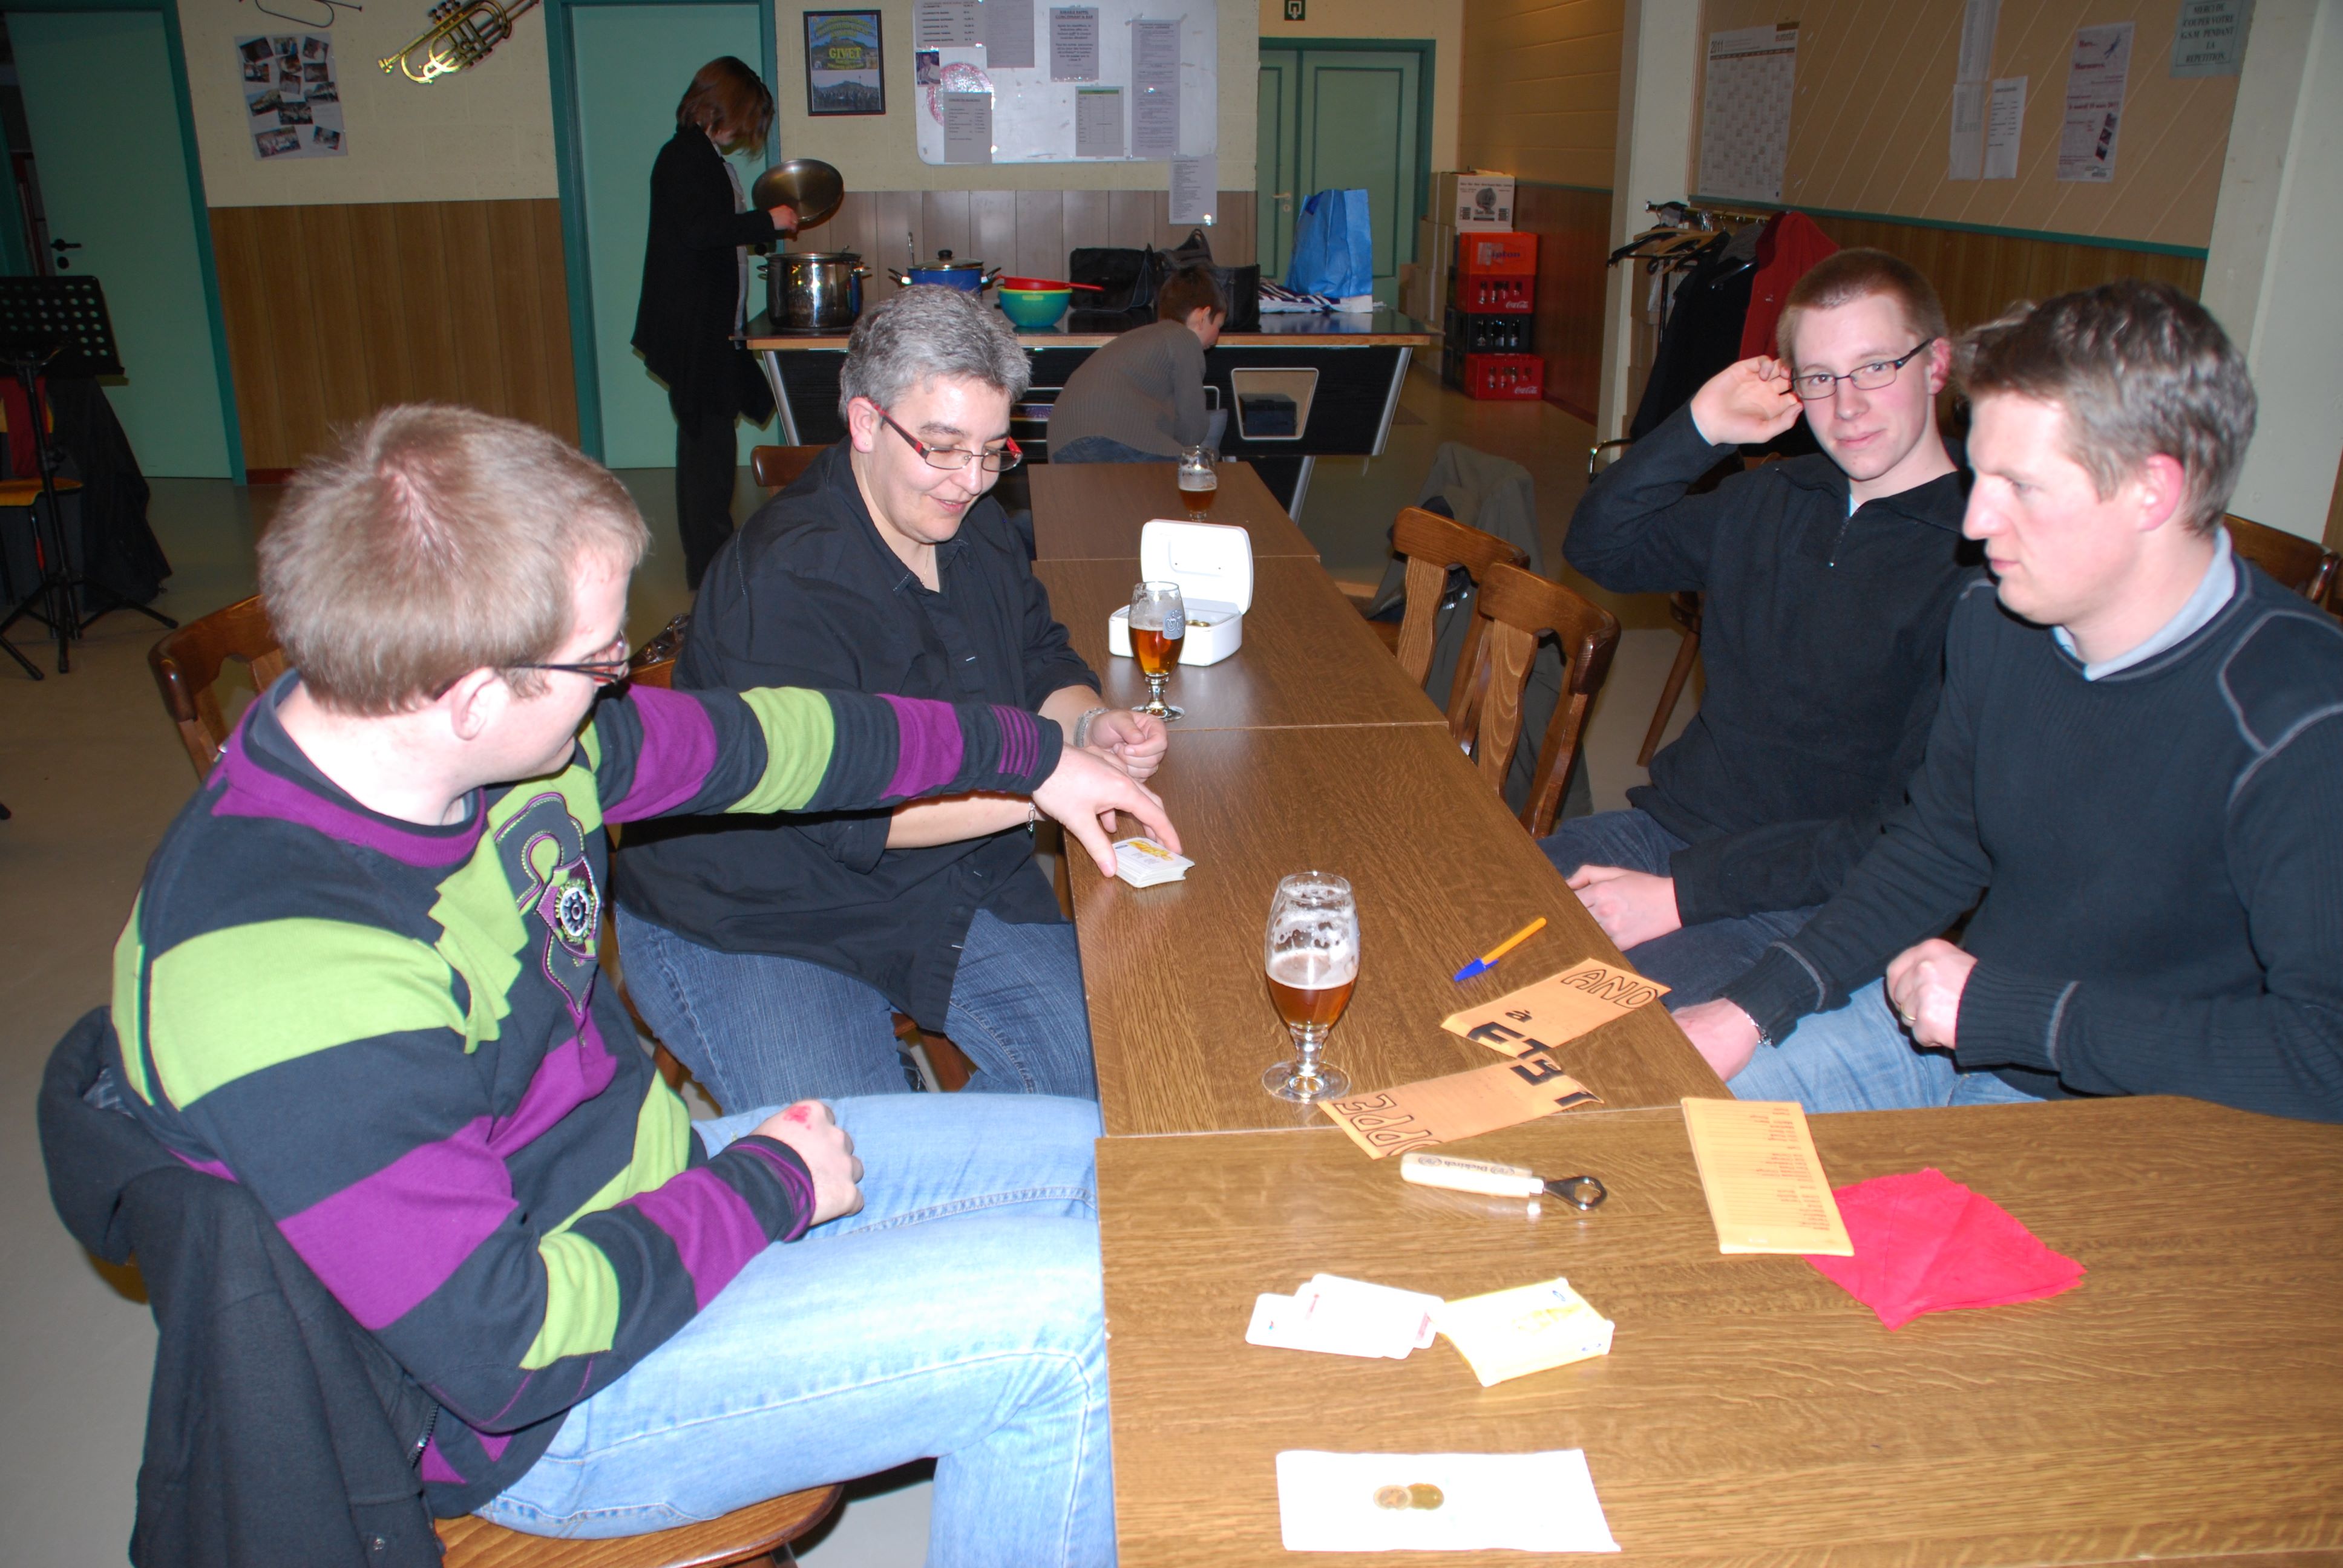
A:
x: 944, y: 24
x: 1097, y: 122
x: 968, y: 127
x: 1744, y: 117
x: 1978, y: 20
x: 1195, y: 188
x: 2210, y: 40
x: 1967, y: 150
x: 1439, y: 1503
x: 1155, y: 89
x: 2095, y: 73
x: 1008, y: 29
x: 1073, y: 43
x: 2004, y: 124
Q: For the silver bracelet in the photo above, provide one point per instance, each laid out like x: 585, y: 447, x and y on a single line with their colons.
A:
x: 1082, y: 728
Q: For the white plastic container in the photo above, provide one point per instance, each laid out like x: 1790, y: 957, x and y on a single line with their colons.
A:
x: 1213, y: 564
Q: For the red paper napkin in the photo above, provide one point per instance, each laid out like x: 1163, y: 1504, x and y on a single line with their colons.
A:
x: 1925, y: 1243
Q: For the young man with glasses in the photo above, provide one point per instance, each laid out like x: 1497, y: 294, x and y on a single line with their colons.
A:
x: 1826, y: 583
x: 771, y: 958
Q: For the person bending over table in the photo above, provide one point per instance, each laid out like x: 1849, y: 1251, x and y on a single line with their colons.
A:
x: 2134, y: 766
x: 360, y: 981
x: 770, y: 957
x: 1827, y: 581
x: 1140, y: 398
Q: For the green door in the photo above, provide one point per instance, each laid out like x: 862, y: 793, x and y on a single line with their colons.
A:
x: 115, y: 180
x: 633, y: 64
x: 1350, y: 115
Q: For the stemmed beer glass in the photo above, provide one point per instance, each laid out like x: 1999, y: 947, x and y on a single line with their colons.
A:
x: 1159, y: 625
x: 1199, y: 482
x: 1309, y: 951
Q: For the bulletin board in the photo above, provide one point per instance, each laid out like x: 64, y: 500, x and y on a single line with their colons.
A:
x: 1065, y: 81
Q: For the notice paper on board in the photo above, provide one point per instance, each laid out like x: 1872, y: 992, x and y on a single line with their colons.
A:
x: 2005, y: 124
x: 968, y: 127
x: 1008, y: 29
x: 1557, y: 1009
x: 944, y: 24
x: 1764, y: 1183
x: 1966, y: 159
x: 1098, y: 123
x: 1155, y: 89
x: 1073, y: 43
x: 1195, y: 187
x: 2211, y: 38
x: 2095, y: 73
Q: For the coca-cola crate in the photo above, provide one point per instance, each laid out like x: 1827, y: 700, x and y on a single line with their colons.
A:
x: 1505, y: 376
x: 1497, y: 255
x: 1485, y: 295
x: 1497, y: 333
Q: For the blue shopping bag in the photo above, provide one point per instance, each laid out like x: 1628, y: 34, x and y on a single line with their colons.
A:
x: 1334, y: 249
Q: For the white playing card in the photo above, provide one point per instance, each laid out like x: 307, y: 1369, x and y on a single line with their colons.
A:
x: 1143, y: 863
x: 1399, y: 1321
x: 1440, y: 1503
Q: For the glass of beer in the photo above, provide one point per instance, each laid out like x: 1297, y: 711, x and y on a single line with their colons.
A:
x: 1199, y: 480
x: 1159, y: 625
x: 1309, y: 951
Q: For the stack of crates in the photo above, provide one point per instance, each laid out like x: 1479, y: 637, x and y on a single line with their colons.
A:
x: 1491, y: 297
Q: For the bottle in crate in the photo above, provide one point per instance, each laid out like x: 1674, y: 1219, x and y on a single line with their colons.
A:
x: 1502, y: 378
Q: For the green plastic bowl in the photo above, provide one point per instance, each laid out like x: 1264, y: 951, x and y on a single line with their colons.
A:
x: 1034, y: 306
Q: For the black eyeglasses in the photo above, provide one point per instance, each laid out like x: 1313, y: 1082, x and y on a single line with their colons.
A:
x: 605, y: 672
x: 954, y: 459
x: 1813, y: 386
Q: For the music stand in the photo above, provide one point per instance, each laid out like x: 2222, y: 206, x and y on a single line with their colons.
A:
x: 56, y: 325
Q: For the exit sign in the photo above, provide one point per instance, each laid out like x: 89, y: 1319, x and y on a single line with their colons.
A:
x: 1293, y: 9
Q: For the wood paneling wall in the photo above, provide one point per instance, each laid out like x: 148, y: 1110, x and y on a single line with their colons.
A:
x: 335, y: 311
x: 1573, y: 230
x: 1539, y: 97
x: 1025, y: 233
x: 1978, y: 275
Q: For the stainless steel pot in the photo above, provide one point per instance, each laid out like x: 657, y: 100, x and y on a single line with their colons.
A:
x: 814, y: 290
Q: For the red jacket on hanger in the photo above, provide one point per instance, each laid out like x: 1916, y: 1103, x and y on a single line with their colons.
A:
x: 1788, y: 248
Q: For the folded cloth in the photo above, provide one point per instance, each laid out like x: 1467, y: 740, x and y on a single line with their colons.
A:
x: 1925, y: 1243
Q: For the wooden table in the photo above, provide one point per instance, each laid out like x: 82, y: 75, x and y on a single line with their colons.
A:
x: 1093, y: 511
x: 1181, y: 1021
x: 1308, y: 658
x: 2184, y: 1402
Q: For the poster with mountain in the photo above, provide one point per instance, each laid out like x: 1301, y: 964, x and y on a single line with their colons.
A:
x: 843, y: 64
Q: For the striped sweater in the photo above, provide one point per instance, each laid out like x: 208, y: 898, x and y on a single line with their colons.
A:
x: 396, y: 1038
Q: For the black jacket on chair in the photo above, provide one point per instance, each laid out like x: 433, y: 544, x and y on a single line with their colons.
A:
x: 278, y: 1432
x: 691, y: 280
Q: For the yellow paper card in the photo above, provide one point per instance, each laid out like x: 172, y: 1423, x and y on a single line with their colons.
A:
x: 1765, y: 1187
x: 1529, y: 1327
x: 1557, y: 1009
x: 1437, y: 1109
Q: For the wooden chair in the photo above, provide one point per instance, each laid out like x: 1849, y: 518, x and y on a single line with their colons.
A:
x: 760, y: 1533
x: 189, y: 662
x: 1515, y: 608
x: 1432, y: 544
x: 776, y: 468
x: 1684, y: 608
x: 2303, y: 565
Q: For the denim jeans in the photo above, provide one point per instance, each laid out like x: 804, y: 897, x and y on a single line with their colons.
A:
x: 759, y: 1030
x: 1698, y: 960
x: 957, y: 1316
x: 1860, y: 1058
x: 1104, y: 449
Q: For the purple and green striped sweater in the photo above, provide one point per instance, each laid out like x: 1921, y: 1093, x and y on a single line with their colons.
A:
x: 396, y: 1038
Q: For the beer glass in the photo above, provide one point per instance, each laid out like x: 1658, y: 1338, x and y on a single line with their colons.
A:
x: 1310, y: 952
x: 1159, y: 625
x: 1199, y: 482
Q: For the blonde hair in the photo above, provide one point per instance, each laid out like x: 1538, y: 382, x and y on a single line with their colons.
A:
x: 1846, y: 276
x: 434, y: 541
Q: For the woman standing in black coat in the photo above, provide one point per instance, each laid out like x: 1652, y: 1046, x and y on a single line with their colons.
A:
x: 695, y: 295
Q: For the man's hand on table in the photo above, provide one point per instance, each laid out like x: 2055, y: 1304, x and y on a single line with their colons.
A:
x: 1136, y: 742
x: 1745, y: 404
x: 1085, y: 793
x: 1632, y: 907
x: 1725, y: 1037
x: 1924, y: 985
x: 828, y: 1152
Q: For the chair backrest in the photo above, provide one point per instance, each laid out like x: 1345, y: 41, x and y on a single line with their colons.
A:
x: 2306, y: 565
x: 1515, y: 608
x: 653, y: 663
x: 187, y: 664
x: 1431, y: 545
x: 776, y: 466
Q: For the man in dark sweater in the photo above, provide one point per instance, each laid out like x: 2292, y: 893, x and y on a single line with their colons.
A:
x: 1140, y: 398
x: 1828, y: 579
x: 2134, y: 766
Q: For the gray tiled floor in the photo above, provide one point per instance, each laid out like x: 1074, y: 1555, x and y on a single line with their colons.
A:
x: 94, y: 773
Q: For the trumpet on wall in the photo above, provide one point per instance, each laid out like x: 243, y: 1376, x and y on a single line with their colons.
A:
x: 462, y: 32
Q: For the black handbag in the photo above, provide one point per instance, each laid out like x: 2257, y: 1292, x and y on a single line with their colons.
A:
x: 1132, y: 277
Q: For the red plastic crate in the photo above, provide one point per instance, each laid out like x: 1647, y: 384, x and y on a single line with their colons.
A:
x: 1492, y: 296
x: 1505, y: 376
x: 1496, y: 254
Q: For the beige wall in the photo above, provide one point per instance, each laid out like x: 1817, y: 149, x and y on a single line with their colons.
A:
x: 1540, y: 89
x: 1873, y: 110
x: 1442, y: 21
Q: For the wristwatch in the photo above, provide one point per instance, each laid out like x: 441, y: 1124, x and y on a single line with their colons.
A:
x: 1083, y: 727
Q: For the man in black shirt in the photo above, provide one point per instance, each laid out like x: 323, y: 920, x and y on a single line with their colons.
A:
x: 2135, y: 767
x: 770, y: 958
x: 1827, y: 581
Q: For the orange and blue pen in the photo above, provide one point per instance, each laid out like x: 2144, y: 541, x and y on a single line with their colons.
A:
x: 1488, y: 960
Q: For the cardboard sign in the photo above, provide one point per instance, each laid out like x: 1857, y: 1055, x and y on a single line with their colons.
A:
x: 1439, y: 1110
x: 1557, y: 1009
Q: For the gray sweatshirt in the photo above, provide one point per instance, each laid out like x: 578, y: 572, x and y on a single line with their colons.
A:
x: 1144, y: 389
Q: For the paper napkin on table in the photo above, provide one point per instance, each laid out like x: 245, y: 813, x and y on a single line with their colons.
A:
x: 1439, y: 1503
x: 1925, y: 1243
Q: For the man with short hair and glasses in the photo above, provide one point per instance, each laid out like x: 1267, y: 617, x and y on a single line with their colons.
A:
x: 1827, y: 582
x: 771, y: 958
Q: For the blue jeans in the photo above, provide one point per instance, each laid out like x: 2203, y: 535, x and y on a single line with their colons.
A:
x: 757, y: 1030
x: 1860, y: 1058
x: 958, y: 1315
x: 1698, y: 960
x: 1104, y: 449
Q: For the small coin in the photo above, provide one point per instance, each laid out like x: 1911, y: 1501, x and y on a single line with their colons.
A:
x: 1422, y: 1494
x: 1391, y: 1497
